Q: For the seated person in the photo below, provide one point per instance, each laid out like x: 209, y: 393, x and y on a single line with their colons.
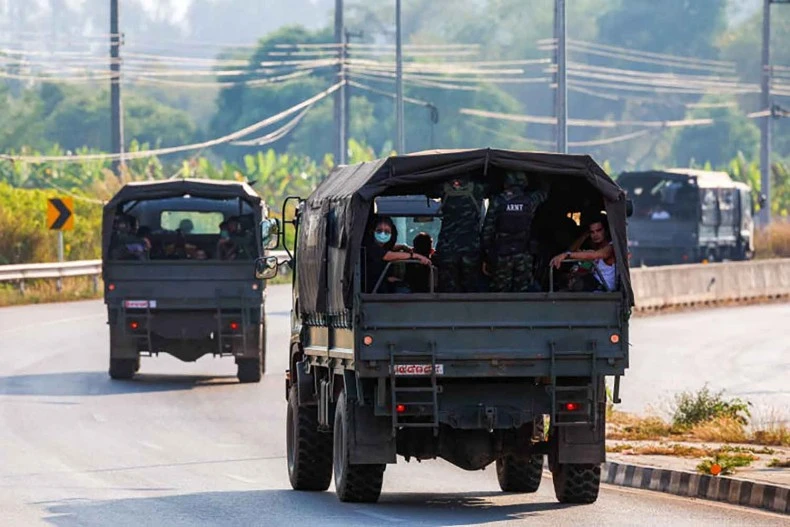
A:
x: 380, y: 248
x: 419, y: 276
x: 243, y: 241
x: 126, y: 244
x: 226, y: 247
x: 604, y: 264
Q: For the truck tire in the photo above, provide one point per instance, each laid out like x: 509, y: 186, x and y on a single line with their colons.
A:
x: 519, y: 474
x: 249, y: 370
x: 576, y: 483
x: 123, y: 369
x: 353, y: 483
x: 309, y: 452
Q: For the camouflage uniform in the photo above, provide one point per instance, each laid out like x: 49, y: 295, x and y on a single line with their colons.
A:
x: 506, y: 235
x: 458, y: 247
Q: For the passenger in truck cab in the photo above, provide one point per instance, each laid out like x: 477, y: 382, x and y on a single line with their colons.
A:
x: 380, y: 249
x: 601, y: 255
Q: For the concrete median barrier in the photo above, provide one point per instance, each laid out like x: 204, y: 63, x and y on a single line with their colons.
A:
x: 688, y: 285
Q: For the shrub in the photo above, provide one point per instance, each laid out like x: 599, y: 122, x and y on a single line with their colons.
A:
x: 727, y: 462
x: 703, y: 406
x: 773, y: 242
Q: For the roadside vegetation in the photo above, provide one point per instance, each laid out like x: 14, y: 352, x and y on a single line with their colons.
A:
x: 45, y: 291
x: 773, y: 242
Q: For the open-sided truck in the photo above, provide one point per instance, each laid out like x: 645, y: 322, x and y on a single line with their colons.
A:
x: 178, y: 296
x: 474, y: 378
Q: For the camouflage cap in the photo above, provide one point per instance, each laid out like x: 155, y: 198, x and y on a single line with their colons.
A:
x: 516, y: 179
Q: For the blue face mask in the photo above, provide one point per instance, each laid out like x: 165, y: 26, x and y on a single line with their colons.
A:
x: 224, y: 234
x: 382, y: 237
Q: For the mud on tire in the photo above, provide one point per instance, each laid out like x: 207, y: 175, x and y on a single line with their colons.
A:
x: 309, y: 452
x: 576, y: 483
x: 519, y: 474
x: 353, y: 483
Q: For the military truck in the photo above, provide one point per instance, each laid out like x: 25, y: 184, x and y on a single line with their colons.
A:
x: 167, y: 287
x: 473, y: 378
x: 688, y: 216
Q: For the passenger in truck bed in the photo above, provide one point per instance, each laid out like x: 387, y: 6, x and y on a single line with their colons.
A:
x: 602, y: 256
x: 419, y: 276
x: 380, y: 248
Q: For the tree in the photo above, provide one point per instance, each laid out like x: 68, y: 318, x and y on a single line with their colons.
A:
x: 731, y: 133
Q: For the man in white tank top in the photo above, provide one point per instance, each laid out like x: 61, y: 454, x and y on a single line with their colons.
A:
x: 602, y: 254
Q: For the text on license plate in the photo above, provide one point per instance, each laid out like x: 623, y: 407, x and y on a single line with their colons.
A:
x: 417, y: 369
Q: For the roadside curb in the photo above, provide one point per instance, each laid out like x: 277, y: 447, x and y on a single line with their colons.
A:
x: 772, y: 498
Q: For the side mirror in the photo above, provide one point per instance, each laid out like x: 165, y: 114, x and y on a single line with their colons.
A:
x: 266, y: 267
x: 629, y: 208
x: 270, y: 233
x: 762, y: 199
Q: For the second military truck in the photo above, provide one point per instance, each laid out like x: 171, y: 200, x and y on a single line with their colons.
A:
x: 176, y: 259
x: 473, y: 378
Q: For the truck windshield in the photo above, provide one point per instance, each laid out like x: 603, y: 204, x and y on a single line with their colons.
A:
x: 196, y: 222
x: 408, y: 228
x: 662, y: 199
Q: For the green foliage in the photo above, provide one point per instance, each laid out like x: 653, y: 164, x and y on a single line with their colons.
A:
x: 727, y: 463
x: 703, y: 406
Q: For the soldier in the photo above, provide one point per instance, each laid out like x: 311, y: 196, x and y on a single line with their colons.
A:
x: 458, y: 248
x: 506, y: 234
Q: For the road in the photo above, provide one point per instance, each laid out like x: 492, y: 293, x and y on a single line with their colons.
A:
x: 185, y: 444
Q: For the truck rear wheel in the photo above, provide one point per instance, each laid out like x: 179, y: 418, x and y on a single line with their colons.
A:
x: 124, y: 369
x: 353, y: 483
x: 519, y: 474
x: 249, y: 370
x: 576, y: 483
x: 309, y: 451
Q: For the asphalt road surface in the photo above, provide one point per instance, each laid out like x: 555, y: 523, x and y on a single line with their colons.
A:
x: 185, y: 444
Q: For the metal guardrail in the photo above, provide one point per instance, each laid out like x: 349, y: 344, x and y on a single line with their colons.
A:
x: 22, y: 272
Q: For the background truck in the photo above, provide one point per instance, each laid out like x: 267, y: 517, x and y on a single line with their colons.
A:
x: 166, y: 286
x: 688, y: 216
x: 474, y: 378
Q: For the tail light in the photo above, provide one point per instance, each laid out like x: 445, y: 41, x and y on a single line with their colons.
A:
x: 234, y: 326
x: 400, y: 408
x: 571, y: 407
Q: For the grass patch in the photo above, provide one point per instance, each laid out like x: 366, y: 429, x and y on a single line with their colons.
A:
x: 727, y: 462
x: 695, y: 408
x: 45, y: 291
x: 773, y: 434
x: 773, y: 242
x: 631, y: 428
x: 779, y: 463
x: 720, y: 430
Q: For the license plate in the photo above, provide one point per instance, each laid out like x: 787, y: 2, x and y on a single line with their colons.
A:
x: 139, y: 304
x: 417, y: 369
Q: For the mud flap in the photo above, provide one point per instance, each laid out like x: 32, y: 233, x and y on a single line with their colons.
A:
x: 372, y: 441
x: 122, y: 346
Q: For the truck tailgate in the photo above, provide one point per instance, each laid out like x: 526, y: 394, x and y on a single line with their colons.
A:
x: 532, y: 334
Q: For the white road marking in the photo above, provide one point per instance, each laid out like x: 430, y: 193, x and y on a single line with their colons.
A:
x: 239, y: 478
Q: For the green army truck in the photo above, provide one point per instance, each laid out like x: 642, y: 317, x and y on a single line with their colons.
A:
x: 473, y: 378
x: 175, y: 283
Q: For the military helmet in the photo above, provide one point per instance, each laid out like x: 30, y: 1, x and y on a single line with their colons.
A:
x: 516, y: 179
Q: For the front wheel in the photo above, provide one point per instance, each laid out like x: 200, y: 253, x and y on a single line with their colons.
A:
x: 309, y: 450
x: 353, y: 483
x: 519, y: 474
x: 574, y: 483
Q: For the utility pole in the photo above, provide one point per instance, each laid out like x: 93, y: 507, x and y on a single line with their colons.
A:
x: 116, y: 109
x: 401, y: 139
x: 765, y: 104
x: 561, y: 99
x: 341, y: 145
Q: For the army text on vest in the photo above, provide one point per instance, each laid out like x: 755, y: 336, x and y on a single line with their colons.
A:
x: 513, y: 224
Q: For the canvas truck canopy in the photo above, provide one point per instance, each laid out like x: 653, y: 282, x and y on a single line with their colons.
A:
x: 335, y: 216
x: 161, y: 190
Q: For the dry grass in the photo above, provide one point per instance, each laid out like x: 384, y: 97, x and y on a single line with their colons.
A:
x: 776, y: 435
x: 720, y: 430
x: 779, y: 463
x: 629, y: 427
x: 44, y: 291
x: 773, y: 242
